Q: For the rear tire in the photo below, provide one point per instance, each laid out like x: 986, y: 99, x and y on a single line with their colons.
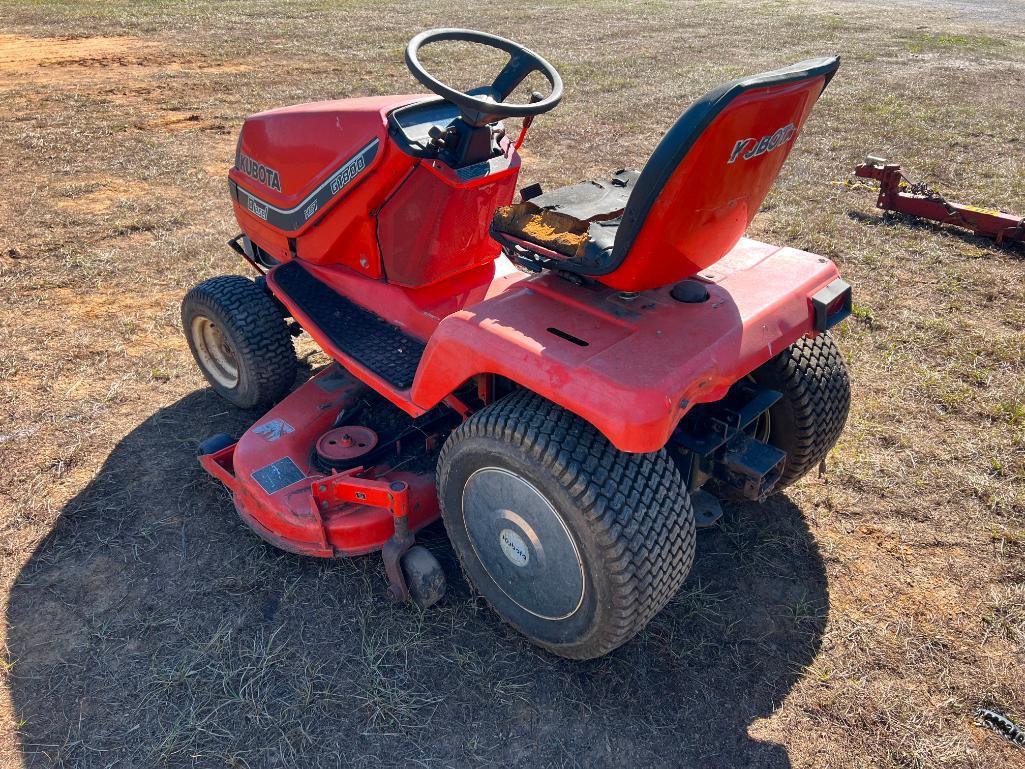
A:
x: 240, y: 341
x: 574, y: 543
x: 807, y: 421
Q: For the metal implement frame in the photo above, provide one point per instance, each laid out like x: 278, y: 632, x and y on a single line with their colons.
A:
x: 898, y: 193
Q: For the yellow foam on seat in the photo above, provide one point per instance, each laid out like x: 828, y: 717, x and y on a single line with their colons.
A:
x: 555, y: 231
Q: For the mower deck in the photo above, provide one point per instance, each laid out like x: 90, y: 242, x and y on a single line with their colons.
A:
x: 284, y: 496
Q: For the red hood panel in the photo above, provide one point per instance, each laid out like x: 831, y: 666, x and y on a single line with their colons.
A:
x: 284, y: 154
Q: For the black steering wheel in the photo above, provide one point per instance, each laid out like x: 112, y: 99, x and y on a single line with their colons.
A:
x: 487, y: 104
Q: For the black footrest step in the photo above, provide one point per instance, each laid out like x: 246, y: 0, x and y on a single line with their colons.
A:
x: 363, y: 336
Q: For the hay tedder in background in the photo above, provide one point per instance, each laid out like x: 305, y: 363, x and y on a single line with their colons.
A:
x: 900, y: 194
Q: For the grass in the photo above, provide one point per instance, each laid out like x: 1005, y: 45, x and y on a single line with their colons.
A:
x: 949, y: 42
x: 856, y: 621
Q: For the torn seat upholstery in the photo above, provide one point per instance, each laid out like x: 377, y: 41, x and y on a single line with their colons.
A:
x: 578, y: 221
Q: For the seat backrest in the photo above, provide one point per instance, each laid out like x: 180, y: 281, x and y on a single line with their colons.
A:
x: 708, y: 176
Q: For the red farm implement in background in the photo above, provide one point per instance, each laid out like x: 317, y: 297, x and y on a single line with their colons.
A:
x: 898, y: 193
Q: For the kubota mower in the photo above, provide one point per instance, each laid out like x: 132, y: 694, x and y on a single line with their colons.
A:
x: 557, y: 378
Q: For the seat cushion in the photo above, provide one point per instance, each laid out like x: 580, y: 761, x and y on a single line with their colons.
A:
x: 564, y: 219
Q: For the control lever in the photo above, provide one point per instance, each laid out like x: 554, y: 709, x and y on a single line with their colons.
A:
x: 535, y: 97
x: 437, y: 134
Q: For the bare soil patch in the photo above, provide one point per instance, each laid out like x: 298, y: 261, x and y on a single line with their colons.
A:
x: 21, y: 54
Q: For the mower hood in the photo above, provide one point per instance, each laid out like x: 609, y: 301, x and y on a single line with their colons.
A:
x: 294, y: 162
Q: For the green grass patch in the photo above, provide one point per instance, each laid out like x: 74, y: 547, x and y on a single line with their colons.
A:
x: 928, y: 43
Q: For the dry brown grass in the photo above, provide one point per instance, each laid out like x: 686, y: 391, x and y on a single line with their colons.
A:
x: 856, y: 622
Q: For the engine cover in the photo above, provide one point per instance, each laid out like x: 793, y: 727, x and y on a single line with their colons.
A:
x: 284, y: 156
x: 331, y: 184
x: 295, y: 164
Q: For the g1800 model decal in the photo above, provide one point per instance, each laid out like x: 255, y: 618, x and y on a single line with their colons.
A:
x: 265, y: 175
x: 294, y: 218
x: 756, y: 147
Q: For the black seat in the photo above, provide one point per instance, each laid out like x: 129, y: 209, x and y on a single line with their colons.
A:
x: 591, y: 201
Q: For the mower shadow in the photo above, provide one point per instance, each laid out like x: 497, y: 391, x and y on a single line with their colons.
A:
x: 152, y: 628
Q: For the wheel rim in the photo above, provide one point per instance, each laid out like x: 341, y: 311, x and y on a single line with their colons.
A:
x: 216, y: 355
x: 523, y: 543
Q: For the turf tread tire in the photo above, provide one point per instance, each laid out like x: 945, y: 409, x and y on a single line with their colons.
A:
x: 258, y: 335
x: 635, y: 508
x: 808, y: 420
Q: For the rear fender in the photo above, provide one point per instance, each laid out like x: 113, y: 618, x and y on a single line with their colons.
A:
x: 631, y: 365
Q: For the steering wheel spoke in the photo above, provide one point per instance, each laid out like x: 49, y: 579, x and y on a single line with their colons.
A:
x: 515, y: 72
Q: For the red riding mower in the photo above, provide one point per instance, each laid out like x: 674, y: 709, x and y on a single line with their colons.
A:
x: 557, y: 378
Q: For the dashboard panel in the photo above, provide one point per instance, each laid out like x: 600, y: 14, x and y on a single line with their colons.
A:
x: 415, y: 120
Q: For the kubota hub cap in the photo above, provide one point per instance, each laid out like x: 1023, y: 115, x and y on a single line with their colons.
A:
x: 523, y: 543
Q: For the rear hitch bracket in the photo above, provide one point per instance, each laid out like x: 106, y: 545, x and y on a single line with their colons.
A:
x: 716, y: 436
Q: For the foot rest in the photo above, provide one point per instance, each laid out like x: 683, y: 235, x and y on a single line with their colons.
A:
x: 367, y: 339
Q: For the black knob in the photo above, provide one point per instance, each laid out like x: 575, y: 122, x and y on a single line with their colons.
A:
x: 690, y: 291
x: 437, y: 134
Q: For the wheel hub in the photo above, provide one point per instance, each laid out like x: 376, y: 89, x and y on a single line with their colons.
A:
x: 514, y: 548
x: 215, y: 352
x: 523, y: 543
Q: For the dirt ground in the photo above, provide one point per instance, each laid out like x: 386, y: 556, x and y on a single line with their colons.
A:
x: 856, y: 621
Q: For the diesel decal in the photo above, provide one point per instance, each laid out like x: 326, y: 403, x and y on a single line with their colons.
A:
x: 756, y: 147
x: 258, y: 208
x: 266, y: 176
x: 294, y: 218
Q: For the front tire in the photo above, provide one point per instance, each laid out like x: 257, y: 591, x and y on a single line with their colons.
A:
x: 240, y: 341
x: 574, y: 543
